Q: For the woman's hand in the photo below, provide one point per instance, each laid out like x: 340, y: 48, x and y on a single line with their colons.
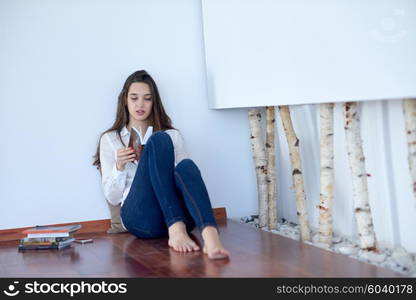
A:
x: 124, y: 155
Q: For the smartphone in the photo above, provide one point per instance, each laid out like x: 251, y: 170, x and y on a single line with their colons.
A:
x: 83, y: 241
x: 134, y: 143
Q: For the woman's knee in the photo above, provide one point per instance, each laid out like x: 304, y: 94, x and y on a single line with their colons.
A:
x: 159, y: 136
x: 160, y: 141
x: 187, y: 164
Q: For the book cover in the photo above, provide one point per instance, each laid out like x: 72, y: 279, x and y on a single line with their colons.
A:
x: 138, y: 140
x: 53, y: 229
x: 40, y: 247
x: 43, y: 241
x: 49, y: 235
x: 60, y: 245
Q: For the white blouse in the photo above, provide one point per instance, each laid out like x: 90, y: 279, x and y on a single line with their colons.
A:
x: 116, y: 184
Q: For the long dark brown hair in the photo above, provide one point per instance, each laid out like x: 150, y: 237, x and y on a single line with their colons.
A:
x: 159, y: 119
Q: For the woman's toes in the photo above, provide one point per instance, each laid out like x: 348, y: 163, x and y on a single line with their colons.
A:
x: 182, y: 243
x: 218, y: 254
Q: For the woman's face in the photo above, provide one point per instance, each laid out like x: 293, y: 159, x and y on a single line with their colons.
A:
x: 139, y: 101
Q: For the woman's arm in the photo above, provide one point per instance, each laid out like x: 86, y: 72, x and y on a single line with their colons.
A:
x: 113, y: 180
x: 179, y: 146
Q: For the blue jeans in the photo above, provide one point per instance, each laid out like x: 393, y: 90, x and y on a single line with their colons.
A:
x: 162, y: 194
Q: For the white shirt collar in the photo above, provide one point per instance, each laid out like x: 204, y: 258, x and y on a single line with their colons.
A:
x: 124, y: 131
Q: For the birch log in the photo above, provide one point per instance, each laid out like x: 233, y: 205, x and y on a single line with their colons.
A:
x: 326, y: 117
x: 362, y: 210
x: 294, y: 153
x: 260, y: 161
x: 409, y: 111
x: 271, y: 166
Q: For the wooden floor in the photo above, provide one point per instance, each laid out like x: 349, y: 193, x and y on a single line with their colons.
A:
x: 254, y: 253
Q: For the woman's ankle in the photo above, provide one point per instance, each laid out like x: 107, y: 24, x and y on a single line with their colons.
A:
x: 210, y: 229
x: 177, y: 227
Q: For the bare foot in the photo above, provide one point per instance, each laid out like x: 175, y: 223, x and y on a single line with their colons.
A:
x: 179, y: 239
x: 212, y: 244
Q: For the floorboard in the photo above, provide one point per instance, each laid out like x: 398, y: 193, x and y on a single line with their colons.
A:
x: 254, y: 253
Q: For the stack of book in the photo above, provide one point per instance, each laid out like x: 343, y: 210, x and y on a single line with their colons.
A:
x: 48, y: 237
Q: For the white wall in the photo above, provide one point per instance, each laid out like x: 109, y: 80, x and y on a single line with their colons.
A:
x: 302, y: 51
x: 62, y: 67
x: 63, y: 64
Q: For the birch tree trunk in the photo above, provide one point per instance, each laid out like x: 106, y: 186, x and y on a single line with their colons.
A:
x: 327, y: 172
x: 260, y: 161
x: 271, y: 166
x: 294, y: 152
x: 362, y: 210
x: 409, y: 111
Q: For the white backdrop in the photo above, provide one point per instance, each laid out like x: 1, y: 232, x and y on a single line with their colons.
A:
x: 62, y: 67
x: 63, y: 64
x: 268, y: 52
